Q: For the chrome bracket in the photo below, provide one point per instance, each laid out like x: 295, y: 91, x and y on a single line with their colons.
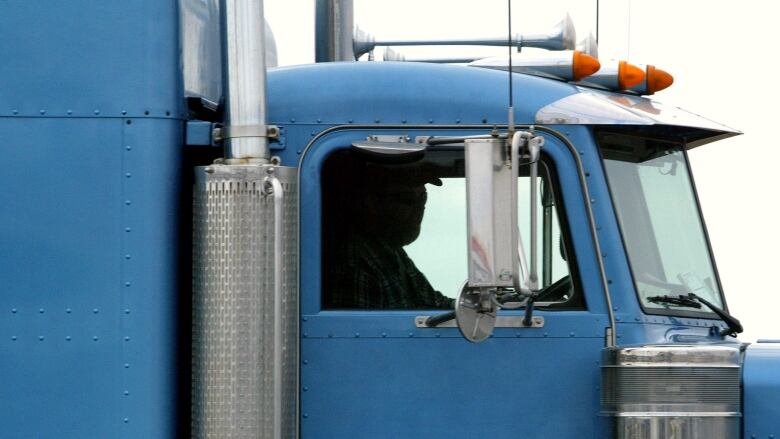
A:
x: 235, y: 131
x: 501, y: 322
x: 388, y: 139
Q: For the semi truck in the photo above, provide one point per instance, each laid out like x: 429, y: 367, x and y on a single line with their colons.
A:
x: 197, y: 243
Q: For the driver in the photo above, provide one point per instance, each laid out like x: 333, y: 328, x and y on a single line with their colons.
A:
x: 368, y: 266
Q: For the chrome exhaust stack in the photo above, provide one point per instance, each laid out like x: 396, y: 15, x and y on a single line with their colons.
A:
x: 245, y: 133
x: 334, y: 31
x: 245, y: 243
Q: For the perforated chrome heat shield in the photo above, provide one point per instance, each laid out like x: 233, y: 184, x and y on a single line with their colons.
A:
x: 242, y: 385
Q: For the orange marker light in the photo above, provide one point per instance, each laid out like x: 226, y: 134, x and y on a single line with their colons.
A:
x: 629, y: 75
x: 584, y: 65
x: 657, y: 79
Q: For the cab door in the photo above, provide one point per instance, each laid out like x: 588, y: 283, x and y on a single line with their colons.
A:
x: 371, y: 370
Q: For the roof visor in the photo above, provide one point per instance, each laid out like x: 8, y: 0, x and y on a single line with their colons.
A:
x: 591, y: 107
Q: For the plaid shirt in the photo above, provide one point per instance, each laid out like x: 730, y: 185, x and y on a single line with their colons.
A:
x: 368, y: 273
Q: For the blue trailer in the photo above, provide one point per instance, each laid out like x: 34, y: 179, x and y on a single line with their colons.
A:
x: 187, y: 253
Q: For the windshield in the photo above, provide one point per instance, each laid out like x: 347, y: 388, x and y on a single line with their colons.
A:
x: 659, y: 217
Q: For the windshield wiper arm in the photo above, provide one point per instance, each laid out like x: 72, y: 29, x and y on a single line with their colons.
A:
x: 694, y: 301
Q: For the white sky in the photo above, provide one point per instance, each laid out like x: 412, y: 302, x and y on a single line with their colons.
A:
x: 722, y: 57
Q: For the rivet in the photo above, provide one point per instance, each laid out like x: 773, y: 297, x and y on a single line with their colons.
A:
x: 598, y: 228
x: 128, y: 229
x: 69, y: 112
x: 67, y: 338
x: 609, y: 281
x: 126, y: 393
x: 438, y: 335
x: 126, y: 420
x: 146, y: 113
x: 292, y: 120
x: 167, y: 113
x: 41, y: 311
x: 129, y: 122
x: 313, y: 133
x: 13, y: 310
x: 305, y: 361
x: 349, y: 121
x: 411, y: 334
x: 129, y: 148
x: 127, y: 338
x: 40, y: 338
x: 127, y: 284
x: 127, y: 310
x: 582, y: 152
x: 517, y: 334
x: 384, y: 334
x: 124, y: 112
x: 430, y: 120
x: 587, y: 174
x: 42, y: 111
x: 127, y: 365
x: 68, y: 310
x: 457, y: 120
x: 305, y: 335
x: 357, y: 335
x: 15, y: 111
x: 617, y: 319
x: 299, y: 151
x: 376, y: 120
x: 95, y: 338
x: 305, y: 415
x: 403, y: 120
x: 128, y: 202
x: 13, y: 337
x: 330, y: 335
x: 305, y: 319
x: 319, y: 120
x: 95, y: 311
x: 128, y: 256
x: 603, y: 254
x: 571, y: 334
x: 96, y: 112
x: 545, y: 334
x: 128, y: 175
x: 305, y: 389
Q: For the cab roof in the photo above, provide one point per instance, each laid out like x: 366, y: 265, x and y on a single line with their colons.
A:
x: 433, y: 94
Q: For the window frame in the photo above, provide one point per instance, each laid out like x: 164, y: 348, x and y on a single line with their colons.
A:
x: 705, y: 313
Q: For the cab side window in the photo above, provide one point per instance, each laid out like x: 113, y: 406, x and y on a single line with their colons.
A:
x: 394, y: 236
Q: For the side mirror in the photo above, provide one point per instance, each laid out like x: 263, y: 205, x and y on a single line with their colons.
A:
x: 496, y: 264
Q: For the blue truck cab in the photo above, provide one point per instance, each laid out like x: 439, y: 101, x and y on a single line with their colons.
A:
x: 151, y: 287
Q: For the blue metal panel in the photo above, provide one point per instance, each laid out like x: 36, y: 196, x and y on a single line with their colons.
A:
x: 399, y: 93
x: 448, y: 387
x: 59, y: 277
x: 90, y: 58
x: 88, y: 277
x: 761, y: 391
